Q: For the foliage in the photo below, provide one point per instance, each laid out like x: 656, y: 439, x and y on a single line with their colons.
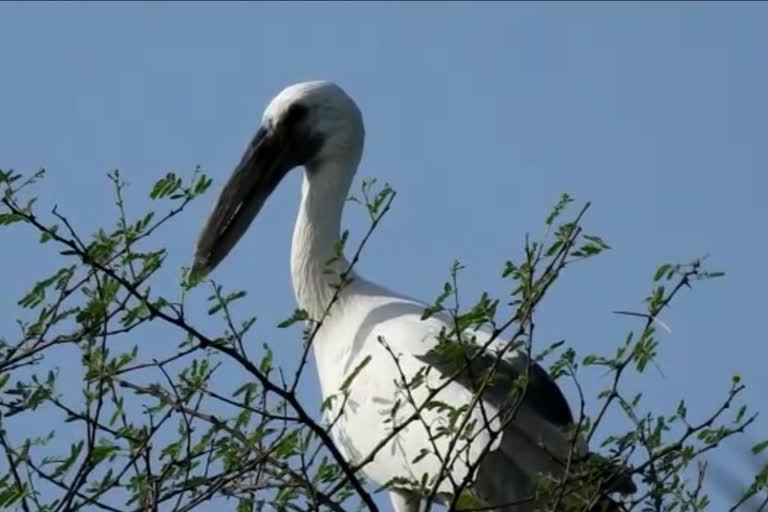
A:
x: 154, y: 428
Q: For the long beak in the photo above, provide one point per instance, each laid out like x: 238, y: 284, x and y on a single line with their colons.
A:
x: 261, y: 169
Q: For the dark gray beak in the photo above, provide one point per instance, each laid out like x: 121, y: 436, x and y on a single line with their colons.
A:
x: 268, y: 158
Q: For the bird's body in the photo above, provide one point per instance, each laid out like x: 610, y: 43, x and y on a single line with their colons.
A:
x: 386, y: 332
x: 364, y: 320
x: 375, y: 334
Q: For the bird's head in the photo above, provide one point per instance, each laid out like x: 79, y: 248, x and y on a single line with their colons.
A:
x: 304, y: 125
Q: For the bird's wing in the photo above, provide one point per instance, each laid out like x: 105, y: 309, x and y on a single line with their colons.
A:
x: 412, y: 344
x: 398, y: 323
x: 539, y: 437
x: 401, y: 327
x: 541, y: 395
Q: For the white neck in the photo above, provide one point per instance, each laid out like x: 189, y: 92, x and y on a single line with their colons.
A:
x: 317, y: 231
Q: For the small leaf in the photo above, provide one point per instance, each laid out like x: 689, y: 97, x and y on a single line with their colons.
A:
x: 47, y: 235
x: 345, y: 385
x: 10, y: 218
x: 597, y: 240
x: 298, y: 316
x: 660, y: 271
x: 266, y: 361
x: 558, y: 209
x: 553, y: 249
x: 509, y: 268
x: 759, y: 447
x: 244, y: 505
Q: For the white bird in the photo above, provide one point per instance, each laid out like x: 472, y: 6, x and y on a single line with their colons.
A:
x: 318, y: 126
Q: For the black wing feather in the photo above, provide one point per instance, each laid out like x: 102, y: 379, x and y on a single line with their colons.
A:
x: 542, y: 394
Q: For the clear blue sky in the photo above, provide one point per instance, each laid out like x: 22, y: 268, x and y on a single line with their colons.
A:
x: 480, y: 115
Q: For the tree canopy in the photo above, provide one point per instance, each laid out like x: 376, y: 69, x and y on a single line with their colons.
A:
x: 144, y: 424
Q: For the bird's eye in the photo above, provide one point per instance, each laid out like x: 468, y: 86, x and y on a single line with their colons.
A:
x: 295, y: 114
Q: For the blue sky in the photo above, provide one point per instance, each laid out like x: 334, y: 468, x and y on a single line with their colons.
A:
x: 479, y: 115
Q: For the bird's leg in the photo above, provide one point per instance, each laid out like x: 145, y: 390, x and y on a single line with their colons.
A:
x: 406, y: 502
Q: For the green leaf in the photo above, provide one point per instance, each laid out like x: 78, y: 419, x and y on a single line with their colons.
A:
x: 245, y: 505
x: 558, y: 209
x: 587, y: 250
x: 37, y: 295
x: 102, y: 450
x: 327, y: 403
x: 47, y: 235
x: 142, y: 224
x: 740, y: 414
x: 202, y: 185
x: 74, y: 453
x: 509, y: 269
x: 661, y: 271
x: 243, y: 419
x: 287, y: 445
x: 438, y: 305
x: 759, y: 447
x: 224, y: 301
x: 248, y: 387
x: 298, y: 316
x: 165, y: 186
x: 266, y: 361
x: 10, y: 218
x: 553, y: 249
x: 345, y: 385
x: 598, y: 241
x: 422, y: 453
x: 13, y: 494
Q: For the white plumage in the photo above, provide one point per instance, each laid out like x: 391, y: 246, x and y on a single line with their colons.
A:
x: 318, y: 126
